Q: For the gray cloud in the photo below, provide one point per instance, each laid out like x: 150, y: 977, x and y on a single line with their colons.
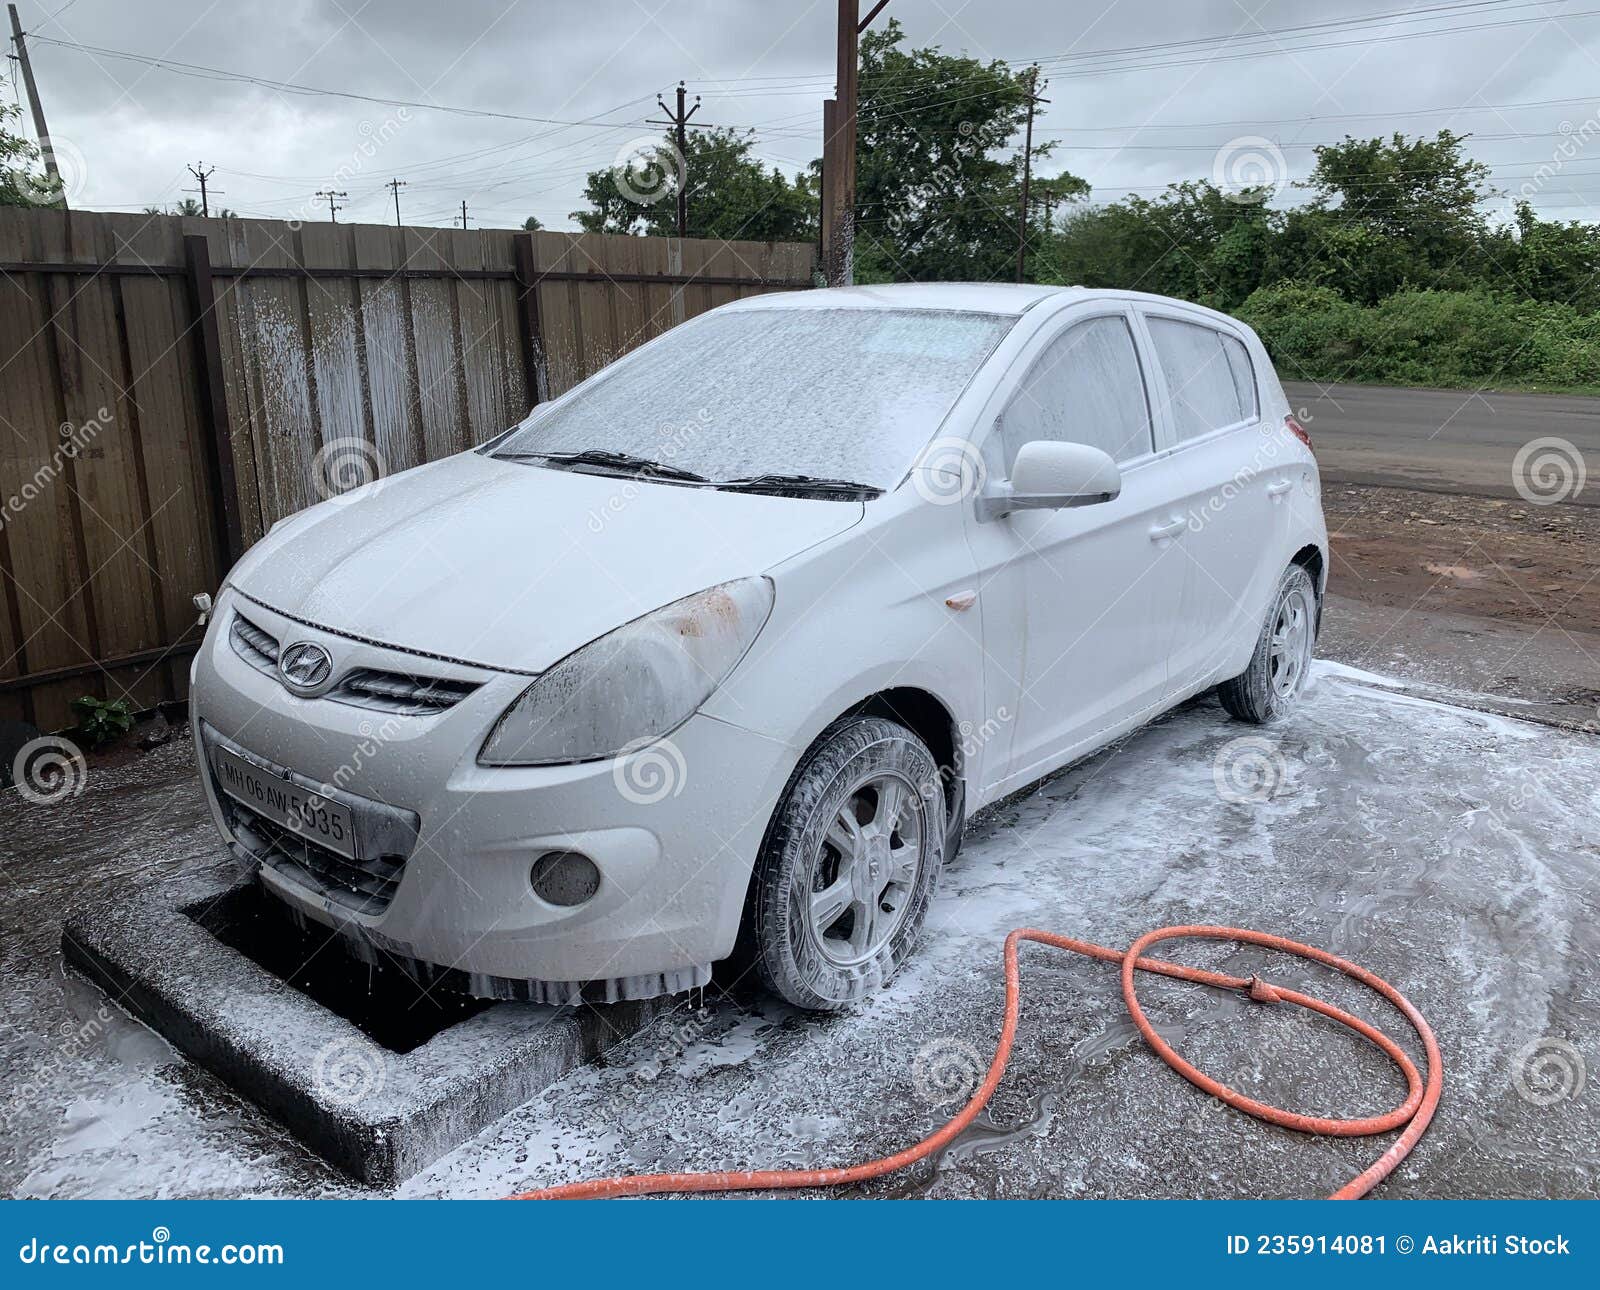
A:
x: 135, y: 127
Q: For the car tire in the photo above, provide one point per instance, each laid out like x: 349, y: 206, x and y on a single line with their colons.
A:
x: 848, y: 867
x: 1266, y: 690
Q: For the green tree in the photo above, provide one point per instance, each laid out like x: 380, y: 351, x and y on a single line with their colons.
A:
x: 531, y: 224
x: 731, y: 193
x: 937, y: 180
x: 1194, y: 241
x: 1389, y: 214
x: 22, y: 183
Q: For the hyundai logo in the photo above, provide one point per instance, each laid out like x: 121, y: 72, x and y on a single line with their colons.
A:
x: 305, y: 666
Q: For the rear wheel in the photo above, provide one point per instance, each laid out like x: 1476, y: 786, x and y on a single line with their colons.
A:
x: 1268, y: 688
x: 849, y: 865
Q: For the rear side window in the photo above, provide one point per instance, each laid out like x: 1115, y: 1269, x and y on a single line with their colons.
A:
x: 1085, y: 388
x: 1244, y: 376
x: 1208, y: 384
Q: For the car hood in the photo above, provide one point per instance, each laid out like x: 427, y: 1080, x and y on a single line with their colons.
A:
x: 514, y: 566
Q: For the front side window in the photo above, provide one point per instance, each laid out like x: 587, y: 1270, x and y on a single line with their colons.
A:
x: 1203, y: 389
x: 848, y: 394
x: 1085, y: 388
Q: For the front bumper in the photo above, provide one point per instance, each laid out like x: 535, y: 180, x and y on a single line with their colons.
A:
x: 674, y: 828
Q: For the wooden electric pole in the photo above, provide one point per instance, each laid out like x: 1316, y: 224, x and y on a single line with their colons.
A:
x: 463, y: 214
x: 679, y: 120
x: 839, y: 150
x: 330, y: 194
x: 46, y: 151
x: 395, y: 185
x: 202, y: 175
x: 1027, y: 173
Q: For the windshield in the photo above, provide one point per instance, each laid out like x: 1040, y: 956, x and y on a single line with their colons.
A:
x: 848, y: 394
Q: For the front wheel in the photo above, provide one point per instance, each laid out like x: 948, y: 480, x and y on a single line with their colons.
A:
x: 1268, y: 688
x: 849, y: 865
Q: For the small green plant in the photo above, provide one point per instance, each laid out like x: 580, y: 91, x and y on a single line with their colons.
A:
x: 100, y: 721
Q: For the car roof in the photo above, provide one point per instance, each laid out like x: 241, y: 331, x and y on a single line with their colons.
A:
x: 1005, y: 298
x: 967, y: 297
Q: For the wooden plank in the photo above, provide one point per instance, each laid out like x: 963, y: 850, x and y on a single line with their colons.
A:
x: 433, y: 335
x: 332, y: 332
x: 110, y: 508
x: 272, y: 339
x: 557, y: 313
x: 385, y: 329
x: 246, y: 426
x: 168, y: 389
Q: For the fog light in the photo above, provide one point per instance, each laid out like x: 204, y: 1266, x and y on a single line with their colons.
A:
x: 565, y: 878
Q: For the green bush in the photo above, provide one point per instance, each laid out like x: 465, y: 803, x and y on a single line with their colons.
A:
x: 101, y: 721
x: 1445, y: 338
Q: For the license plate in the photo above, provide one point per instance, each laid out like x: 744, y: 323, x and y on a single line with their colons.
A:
x: 314, y: 818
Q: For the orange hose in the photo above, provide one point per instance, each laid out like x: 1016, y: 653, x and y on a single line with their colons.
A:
x: 1414, y: 1113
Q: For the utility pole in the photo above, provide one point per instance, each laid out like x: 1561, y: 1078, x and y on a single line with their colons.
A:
x: 679, y: 120
x: 463, y: 214
x: 395, y: 185
x: 1027, y: 172
x: 202, y: 176
x: 839, y: 150
x: 46, y: 151
x: 330, y: 194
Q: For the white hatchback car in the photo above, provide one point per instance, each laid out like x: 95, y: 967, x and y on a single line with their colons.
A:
x: 712, y: 655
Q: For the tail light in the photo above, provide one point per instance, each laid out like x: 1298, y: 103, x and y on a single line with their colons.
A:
x: 1296, y: 429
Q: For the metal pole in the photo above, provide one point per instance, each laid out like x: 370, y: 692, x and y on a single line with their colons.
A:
x: 47, y: 152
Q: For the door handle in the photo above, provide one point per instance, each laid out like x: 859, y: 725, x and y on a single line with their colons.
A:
x: 1279, y: 487
x: 1171, y: 529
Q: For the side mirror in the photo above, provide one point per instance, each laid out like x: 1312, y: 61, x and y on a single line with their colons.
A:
x: 1049, y: 476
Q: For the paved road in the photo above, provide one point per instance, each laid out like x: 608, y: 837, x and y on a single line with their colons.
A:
x: 1449, y: 440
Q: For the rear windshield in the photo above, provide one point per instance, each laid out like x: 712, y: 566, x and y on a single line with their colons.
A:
x: 837, y: 393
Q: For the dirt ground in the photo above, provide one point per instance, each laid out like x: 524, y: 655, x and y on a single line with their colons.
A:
x: 1502, y: 560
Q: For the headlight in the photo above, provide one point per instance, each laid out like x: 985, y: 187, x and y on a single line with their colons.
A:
x: 641, y: 681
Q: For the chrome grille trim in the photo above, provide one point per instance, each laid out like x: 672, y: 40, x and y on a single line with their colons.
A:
x: 405, y: 695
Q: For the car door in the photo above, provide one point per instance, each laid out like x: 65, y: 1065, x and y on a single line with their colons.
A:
x: 1231, y: 489
x: 1079, y: 605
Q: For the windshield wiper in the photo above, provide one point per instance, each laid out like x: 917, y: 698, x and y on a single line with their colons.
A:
x: 621, y: 461
x: 779, y: 483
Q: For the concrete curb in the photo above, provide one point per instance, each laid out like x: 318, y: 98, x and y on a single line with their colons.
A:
x: 378, y: 1115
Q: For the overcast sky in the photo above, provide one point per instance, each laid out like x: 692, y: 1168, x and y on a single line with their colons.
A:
x: 126, y: 129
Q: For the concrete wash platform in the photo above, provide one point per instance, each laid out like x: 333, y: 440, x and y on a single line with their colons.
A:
x: 381, y: 1092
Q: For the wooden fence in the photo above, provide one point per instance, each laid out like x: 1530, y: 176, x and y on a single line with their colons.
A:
x: 167, y: 385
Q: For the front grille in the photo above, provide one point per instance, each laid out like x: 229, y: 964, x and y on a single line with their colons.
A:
x: 401, y: 693
x: 394, y: 692
x: 366, y: 886
x: 255, y: 646
x: 385, y: 836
